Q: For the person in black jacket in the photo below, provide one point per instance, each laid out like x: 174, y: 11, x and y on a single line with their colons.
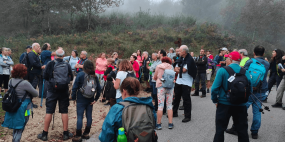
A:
x: 201, y: 63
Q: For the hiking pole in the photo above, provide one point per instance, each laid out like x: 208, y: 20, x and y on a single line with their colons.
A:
x: 265, y: 107
x: 43, y: 88
x: 260, y: 108
x: 52, y: 122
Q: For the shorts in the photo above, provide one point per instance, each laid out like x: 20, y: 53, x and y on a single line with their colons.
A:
x: 209, y: 74
x: 52, y: 98
x: 4, y: 79
x: 146, y: 76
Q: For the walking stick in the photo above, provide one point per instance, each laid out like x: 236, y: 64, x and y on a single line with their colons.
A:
x: 43, y: 88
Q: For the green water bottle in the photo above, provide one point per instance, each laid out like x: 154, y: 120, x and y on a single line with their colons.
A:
x: 122, y: 137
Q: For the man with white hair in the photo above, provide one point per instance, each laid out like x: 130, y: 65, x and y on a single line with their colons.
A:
x: 59, y: 74
x: 187, y: 70
x: 171, y: 53
x: 83, y: 58
x: 244, y: 57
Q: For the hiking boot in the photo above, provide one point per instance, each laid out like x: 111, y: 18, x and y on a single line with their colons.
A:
x: 186, y: 120
x: 86, y: 133
x: 203, y: 96
x: 195, y: 94
x: 181, y: 108
x: 158, y: 127
x: 43, y: 136
x: 77, y: 137
x: 175, y: 115
x: 231, y: 131
x: 67, y: 135
x: 277, y: 105
x: 170, y: 125
x: 208, y: 90
x: 254, y: 136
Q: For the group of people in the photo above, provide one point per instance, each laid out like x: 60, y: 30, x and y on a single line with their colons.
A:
x: 63, y: 78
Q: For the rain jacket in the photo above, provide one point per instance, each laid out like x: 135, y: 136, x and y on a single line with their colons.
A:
x: 113, y: 120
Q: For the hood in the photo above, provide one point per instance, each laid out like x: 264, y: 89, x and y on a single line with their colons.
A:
x: 164, y: 66
x: 143, y: 100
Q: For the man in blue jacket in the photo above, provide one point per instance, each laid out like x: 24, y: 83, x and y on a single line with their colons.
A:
x: 29, y: 49
x: 225, y: 109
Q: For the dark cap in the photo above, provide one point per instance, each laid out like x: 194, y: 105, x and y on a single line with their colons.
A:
x: 29, y: 46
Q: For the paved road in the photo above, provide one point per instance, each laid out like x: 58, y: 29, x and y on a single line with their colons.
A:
x: 202, y: 126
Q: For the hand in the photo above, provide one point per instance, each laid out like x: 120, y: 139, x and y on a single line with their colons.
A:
x: 283, y: 70
x: 283, y: 57
x: 92, y: 103
x: 76, y: 65
x: 147, y: 62
x: 114, y: 81
x: 216, y: 105
x: 4, y: 62
x: 43, y: 67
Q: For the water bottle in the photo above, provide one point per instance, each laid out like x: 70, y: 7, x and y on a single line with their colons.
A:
x: 122, y: 137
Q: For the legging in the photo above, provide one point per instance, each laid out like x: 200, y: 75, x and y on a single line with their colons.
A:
x: 17, y: 133
x: 161, y: 93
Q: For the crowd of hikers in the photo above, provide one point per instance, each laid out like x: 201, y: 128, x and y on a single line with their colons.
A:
x: 169, y: 77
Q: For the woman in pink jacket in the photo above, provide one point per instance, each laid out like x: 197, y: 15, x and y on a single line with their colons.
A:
x: 101, y: 66
x: 163, y: 93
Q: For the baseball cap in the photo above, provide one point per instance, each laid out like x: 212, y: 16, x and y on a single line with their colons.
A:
x: 29, y: 46
x: 235, y: 56
x: 224, y: 49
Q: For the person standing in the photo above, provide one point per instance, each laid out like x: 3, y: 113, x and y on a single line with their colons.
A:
x: 171, y: 53
x: 226, y: 109
x: 101, y: 66
x: 79, y: 64
x: 135, y: 64
x: 146, y: 59
x: 187, y: 72
x: 115, y: 58
x: 201, y: 63
x: 244, y: 57
x: 5, y: 71
x: 58, y: 73
x: 209, y: 72
x: 28, y: 50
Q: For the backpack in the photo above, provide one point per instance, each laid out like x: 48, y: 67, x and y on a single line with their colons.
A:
x: 89, y: 86
x: 257, y: 72
x: 10, y: 102
x: 139, y: 122
x: 238, y: 89
x: 131, y: 74
x: 168, y: 79
x: 60, y: 76
x: 25, y: 60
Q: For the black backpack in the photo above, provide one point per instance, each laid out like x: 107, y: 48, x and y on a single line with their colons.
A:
x: 25, y: 60
x: 239, y: 89
x: 10, y: 102
x: 131, y: 74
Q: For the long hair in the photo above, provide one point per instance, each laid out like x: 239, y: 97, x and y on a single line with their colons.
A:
x: 278, y: 57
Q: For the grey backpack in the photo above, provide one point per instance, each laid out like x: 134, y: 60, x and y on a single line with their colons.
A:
x: 168, y: 79
x: 60, y: 76
x: 88, y: 88
x: 139, y: 122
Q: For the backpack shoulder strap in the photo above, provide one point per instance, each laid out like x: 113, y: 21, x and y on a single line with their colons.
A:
x: 229, y: 70
x: 242, y: 71
x: 17, y: 83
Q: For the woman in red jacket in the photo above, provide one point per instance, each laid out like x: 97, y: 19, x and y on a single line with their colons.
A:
x: 135, y: 64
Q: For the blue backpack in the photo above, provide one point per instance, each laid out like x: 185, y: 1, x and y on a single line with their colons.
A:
x: 168, y: 79
x: 257, y: 72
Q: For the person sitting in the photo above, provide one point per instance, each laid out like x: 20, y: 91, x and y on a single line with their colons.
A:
x: 129, y: 89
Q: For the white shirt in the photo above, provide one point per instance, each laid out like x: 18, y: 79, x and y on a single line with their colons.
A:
x: 120, y: 75
x: 186, y: 78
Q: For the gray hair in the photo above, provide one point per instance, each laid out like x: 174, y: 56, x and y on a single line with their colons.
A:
x: 3, y: 48
x: 59, y: 53
x: 155, y: 54
x: 233, y: 61
x: 114, y: 54
x: 84, y: 52
x: 185, y: 48
x: 34, y: 45
x: 9, y: 49
x: 145, y: 52
x: 244, y: 51
x: 172, y: 49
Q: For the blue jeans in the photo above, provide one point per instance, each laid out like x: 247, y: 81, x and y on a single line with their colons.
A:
x: 81, y: 107
x: 17, y: 133
x: 256, y: 121
x: 119, y: 99
x: 154, y: 94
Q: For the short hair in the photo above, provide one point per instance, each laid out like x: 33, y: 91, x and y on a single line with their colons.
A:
x: 166, y: 60
x: 45, y: 46
x: 185, y: 48
x: 163, y: 52
x: 135, y: 57
x: 259, y: 50
x: 131, y: 85
x: 243, y: 51
x: 19, y: 71
x: 112, y: 61
x: 145, y: 52
x: 172, y: 49
x: 202, y: 49
x: 59, y: 54
x: 9, y: 49
x: 4, y: 48
x: 155, y: 54
x: 84, y: 52
x: 34, y: 45
x: 88, y: 67
x: 125, y: 65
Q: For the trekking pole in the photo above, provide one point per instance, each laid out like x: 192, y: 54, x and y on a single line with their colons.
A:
x: 43, y: 88
x: 265, y: 107
x: 52, y: 122
x: 260, y: 109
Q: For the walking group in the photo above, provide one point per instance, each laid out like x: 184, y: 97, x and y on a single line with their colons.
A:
x: 169, y: 77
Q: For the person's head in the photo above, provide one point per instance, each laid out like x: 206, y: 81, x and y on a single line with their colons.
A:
x: 184, y: 50
x: 9, y: 51
x: 118, y: 63
x: 171, y: 50
x: 162, y: 53
x: 36, y: 47
x: 19, y: 71
x: 202, y: 52
x: 83, y: 55
x: 139, y: 53
x: 59, y: 53
x: 29, y: 48
x: 46, y: 46
x: 88, y: 67
x: 243, y: 53
x: 234, y: 57
x: 130, y: 87
x: 145, y: 54
x: 192, y: 54
x: 154, y: 56
x: 125, y: 65
x: 102, y: 55
x: 115, y: 55
x: 177, y: 50
x: 258, y: 51
x: 220, y: 52
x: 4, y: 51
x: 166, y: 60
x: 209, y: 52
x: 74, y: 53
x: 224, y: 50
x: 133, y: 58
x: 110, y: 61
x: 135, y: 54
x: 277, y: 55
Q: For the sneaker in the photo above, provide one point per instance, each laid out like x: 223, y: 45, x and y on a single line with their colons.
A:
x: 203, y: 96
x: 158, y: 127
x: 277, y: 105
x: 67, y: 135
x: 181, y: 108
x: 42, y: 136
x: 170, y: 125
x: 195, y: 94
x: 208, y: 90
x: 231, y: 131
x: 254, y: 136
x: 186, y: 120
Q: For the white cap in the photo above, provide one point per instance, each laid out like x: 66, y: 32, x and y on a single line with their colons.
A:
x: 224, y: 49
